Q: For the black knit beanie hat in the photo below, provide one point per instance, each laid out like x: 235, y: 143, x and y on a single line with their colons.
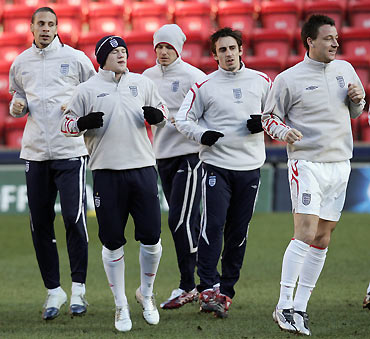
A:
x: 107, y: 44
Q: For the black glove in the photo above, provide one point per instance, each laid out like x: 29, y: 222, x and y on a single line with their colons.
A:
x: 152, y: 115
x: 92, y: 120
x: 254, y: 124
x: 210, y: 137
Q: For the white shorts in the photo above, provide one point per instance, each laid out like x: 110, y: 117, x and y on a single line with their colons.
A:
x: 318, y: 188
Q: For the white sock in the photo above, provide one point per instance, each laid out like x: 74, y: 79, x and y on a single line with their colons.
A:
x: 56, y: 290
x: 149, y: 258
x: 114, y: 266
x: 311, y: 269
x: 78, y: 288
x: 292, y: 263
x: 368, y: 289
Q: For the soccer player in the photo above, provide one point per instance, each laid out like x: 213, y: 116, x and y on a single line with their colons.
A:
x: 109, y: 110
x: 178, y: 162
x: 42, y: 79
x: 310, y: 107
x: 223, y: 113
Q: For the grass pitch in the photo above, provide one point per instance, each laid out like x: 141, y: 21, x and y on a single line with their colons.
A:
x: 335, y: 307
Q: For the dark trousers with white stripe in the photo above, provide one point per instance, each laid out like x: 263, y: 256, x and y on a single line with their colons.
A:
x: 228, y: 203
x: 44, y: 179
x: 181, y: 182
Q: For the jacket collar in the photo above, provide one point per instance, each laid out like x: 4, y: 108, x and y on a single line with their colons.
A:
x: 109, y: 75
x: 230, y: 73
x: 53, y: 46
x: 314, y: 63
x: 170, y: 67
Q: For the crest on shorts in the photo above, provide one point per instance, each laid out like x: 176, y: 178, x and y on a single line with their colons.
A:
x: 306, y: 198
x: 133, y: 90
x: 340, y: 80
x: 27, y: 166
x: 97, y: 201
x: 237, y: 92
x: 175, y: 86
x: 64, y: 69
x: 113, y: 43
x: 212, y: 180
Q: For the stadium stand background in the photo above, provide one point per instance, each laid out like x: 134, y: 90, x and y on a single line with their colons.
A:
x: 271, y: 33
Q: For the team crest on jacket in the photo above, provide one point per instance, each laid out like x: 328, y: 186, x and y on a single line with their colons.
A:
x: 212, y: 180
x: 64, y: 69
x: 237, y: 93
x: 97, y: 201
x: 133, y: 90
x: 306, y: 198
x: 340, y: 80
x: 175, y: 86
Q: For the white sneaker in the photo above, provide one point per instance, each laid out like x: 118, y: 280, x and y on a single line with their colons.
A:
x: 54, y: 301
x: 284, y: 319
x: 122, y: 320
x: 301, y: 322
x: 78, y: 304
x: 150, y: 312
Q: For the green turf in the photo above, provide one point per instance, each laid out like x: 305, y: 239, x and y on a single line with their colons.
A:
x: 335, y: 306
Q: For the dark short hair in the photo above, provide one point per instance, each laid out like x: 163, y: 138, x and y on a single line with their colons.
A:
x: 223, y: 33
x: 311, y: 27
x: 44, y: 9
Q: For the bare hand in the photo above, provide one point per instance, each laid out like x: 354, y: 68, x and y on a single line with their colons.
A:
x: 18, y: 106
x: 173, y: 121
x: 355, y: 93
x: 63, y: 107
x: 292, y: 136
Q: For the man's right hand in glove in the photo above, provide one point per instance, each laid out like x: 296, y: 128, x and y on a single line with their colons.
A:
x: 210, y: 137
x: 90, y: 121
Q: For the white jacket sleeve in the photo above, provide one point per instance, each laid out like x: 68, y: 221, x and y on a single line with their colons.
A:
x: 153, y: 99
x: 355, y: 110
x: 190, y: 112
x: 16, y: 90
x: 75, y: 109
x: 278, y: 102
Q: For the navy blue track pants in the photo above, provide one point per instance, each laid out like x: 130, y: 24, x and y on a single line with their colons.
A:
x: 44, y: 179
x: 181, y: 181
x: 120, y: 193
x: 228, y: 204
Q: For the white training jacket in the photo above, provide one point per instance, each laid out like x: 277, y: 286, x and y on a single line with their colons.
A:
x: 46, y: 79
x: 122, y: 143
x: 223, y: 102
x: 312, y: 98
x: 173, y: 82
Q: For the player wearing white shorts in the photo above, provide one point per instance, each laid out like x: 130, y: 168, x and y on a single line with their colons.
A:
x: 309, y: 107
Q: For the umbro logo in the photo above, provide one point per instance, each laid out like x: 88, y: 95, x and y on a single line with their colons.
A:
x: 254, y: 186
x: 101, y: 95
x: 180, y: 171
x: 311, y: 88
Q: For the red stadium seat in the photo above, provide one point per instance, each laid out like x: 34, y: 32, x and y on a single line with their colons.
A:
x: 272, y: 67
x: 4, y: 81
x: 364, y: 127
x: 141, y: 51
x: 272, y: 43
x: 12, y: 44
x: 280, y: 15
x: 69, y: 22
x: 87, y: 42
x: 293, y: 60
x: 237, y: 15
x: 208, y: 64
x: 106, y: 18
x: 148, y: 17
x: 362, y: 66
x: 193, y: 49
x: 32, y: 3
x: 301, y: 50
x: 355, y: 41
x: 14, y: 131
x: 17, y: 18
x: 359, y: 13
x: 194, y: 17
x: 334, y: 9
